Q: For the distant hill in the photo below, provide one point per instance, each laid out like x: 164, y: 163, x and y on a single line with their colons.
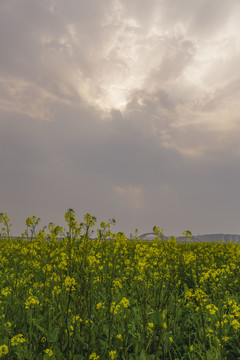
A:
x: 200, y: 238
x: 218, y: 237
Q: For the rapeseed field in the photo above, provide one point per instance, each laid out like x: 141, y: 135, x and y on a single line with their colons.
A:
x: 109, y: 298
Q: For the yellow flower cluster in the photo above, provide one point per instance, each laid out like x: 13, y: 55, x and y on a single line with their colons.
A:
x: 150, y: 327
x: 77, y: 318
x: 17, y: 339
x: 69, y: 283
x: 100, y: 306
x: 31, y: 301
x: 235, y: 324
x: 93, y: 356
x: 120, y: 293
x: 3, y: 350
x: 212, y: 308
x: 112, y: 354
x: 125, y: 302
x: 49, y: 352
x: 115, y: 308
x: 6, y: 291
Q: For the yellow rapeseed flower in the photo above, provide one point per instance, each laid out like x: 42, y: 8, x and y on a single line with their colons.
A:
x: 3, y: 350
x: 99, y: 306
x: 225, y: 338
x: 6, y: 291
x: 69, y: 282
x: 93, y: 356
x: 49, y: 352
x: 112, y: 354
x: 125, y: 302
x: 31, y: 301
x: 235, y: 324
x: 17, y: 339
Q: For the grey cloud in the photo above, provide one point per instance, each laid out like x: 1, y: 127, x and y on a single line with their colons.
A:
x: 59, y: 58
x: 21, y: 26
x: 41, y: 44
x: 143, y: 12
x: 213, y: 15
x: 77, y: 161
x: 199, y: 18
x: 178, y: 54
x: 225, y: 95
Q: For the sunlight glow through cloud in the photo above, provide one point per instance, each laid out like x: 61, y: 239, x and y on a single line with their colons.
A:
x: 131, y: 98
x: 132, y: 58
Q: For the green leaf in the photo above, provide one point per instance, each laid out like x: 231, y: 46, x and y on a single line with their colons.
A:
x: 53, y: 335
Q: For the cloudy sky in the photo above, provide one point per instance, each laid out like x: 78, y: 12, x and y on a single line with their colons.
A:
x: 123, y: 109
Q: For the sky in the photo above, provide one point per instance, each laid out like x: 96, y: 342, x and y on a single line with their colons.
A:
x: 122, y: 109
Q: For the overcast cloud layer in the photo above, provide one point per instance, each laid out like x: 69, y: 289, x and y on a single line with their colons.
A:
x: 124, y: 109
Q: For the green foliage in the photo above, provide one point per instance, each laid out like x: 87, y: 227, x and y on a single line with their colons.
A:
x: 5, y: 224
x: 77, y: 298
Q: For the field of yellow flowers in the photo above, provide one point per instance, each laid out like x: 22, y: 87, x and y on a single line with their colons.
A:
x: 111, y: 298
